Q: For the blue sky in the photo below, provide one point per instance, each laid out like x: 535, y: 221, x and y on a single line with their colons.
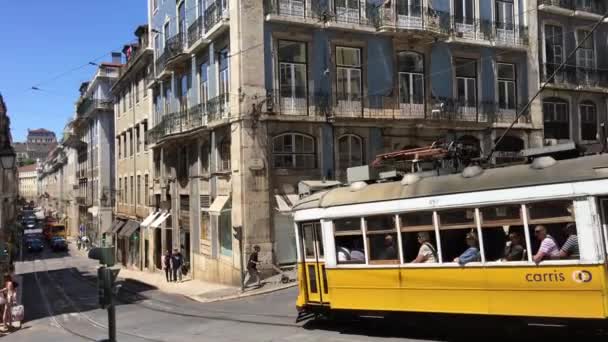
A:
x: 42, y: 42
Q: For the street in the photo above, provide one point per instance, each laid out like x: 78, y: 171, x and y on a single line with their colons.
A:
x: 60, y: 297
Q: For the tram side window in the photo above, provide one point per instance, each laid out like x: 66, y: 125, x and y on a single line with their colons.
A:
x: 503, y: 233
x: 419, y: 243
x: 553, y: 232
x: 309, y: 240
x: 458, y: 233
x: 348, y: 237
x: 382, y: 240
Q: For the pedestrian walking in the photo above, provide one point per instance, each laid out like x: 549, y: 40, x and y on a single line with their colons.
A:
x: 252, y: 266
x: 167, y: 263
x: 9, y: 294
x: 177, y: 263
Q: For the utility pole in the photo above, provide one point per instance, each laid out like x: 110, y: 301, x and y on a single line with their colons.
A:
x: 106, y: 276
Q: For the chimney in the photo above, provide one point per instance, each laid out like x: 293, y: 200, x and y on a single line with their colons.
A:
x: 116, y: 58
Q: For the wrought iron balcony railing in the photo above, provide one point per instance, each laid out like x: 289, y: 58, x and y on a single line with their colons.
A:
x: 592, y: 6
x: 576, y: 76
x: 292, y: 8
x: 195, y: 31
x: 174, y: 46
x: 218, y: 108
x: 214, y: 13
x: 322, y: 104
x: 89, y: 105
x: 417, y: 18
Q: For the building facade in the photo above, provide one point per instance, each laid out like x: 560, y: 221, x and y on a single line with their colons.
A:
x: 39, y: 143
x: 90, y: 134
x: 252, y: 97
x: 132, y: 108
x: 575, y: 101
x: 9, y: 192
x: 28, y: 182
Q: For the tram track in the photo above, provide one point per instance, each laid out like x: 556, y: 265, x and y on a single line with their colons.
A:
x: 125, y: 299
x: 76, y: 309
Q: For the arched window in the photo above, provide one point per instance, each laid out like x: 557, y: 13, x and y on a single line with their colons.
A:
x: 556, y: 118
x: 293, y: 151
x: 350, y: 151
x: 588, y: 112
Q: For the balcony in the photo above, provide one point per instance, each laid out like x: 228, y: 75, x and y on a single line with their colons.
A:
x: 323, y: 106
x: 172, y: 53
x: 425, y: 21
x: 196, y: 32
x: 303, y: 11
x: 589, y: 9
x: 488, y: 33
x: 216, y: 18
x: 575, y: 77
x: 88, y: 106
x: 218, y: 108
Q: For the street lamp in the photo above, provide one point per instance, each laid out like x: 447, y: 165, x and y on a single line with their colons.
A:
x: 7, y: 158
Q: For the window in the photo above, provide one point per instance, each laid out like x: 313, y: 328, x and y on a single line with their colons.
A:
x: 292, y: 72
x: 132, y: 189
x: 466, y: 83
x: 293, y: 151
x: 382, y: 242
x: 145, y: 79
x: 124, y: 101
x: 224, y: 156
x: 125, y: 144
x: 223, y: 70
x: 464, y: 11
x: 419, y: 243
x: 145, y: 140
x: 204, y: 159
x: 347, y: 10
x: 138, y: 193
x: 503, y: 233
x: 131, y: 142
x: 349, y: 74
x: 554, y: 54
x: 157, y: 45
x: 225, y: 232
x: 146, y: 190
x: 588, y: 121
x: 157, y: 163
x: 167, y: 98
x: 167, y: 34
x: 585, y: 55
x: 350, y: 151
x: 504, y: 13
x: 120, y: 187
x: 118, y: 147
x: 506, y: 86
x: 556, y: 117
x: 557, y: 219
x: 205, y: 226
x: 137, y: 139
x: 184, y: 88
x: 349, y: 241
x: 181, y: 19
x: 184, y: 202
x: 204, y: 87
x: 182, y: 170
x: 411, y: 78
x: 137, y: 82
x: 409, y: 8
x: 455, y: 226
x: 130, y: 95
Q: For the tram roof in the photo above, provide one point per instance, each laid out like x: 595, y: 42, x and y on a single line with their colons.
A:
x: 564, y: 171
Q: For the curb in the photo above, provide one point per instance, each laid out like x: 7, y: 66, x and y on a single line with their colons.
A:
x: 241, y: 295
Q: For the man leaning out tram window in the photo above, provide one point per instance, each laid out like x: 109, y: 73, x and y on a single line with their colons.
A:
x: 427, y: 252
x: 570, y: 248
x: 471, y: 254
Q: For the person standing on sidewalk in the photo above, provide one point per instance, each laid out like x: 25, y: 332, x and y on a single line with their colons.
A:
x: 167, y: 263
x: 178, y: 261
x: 252, y: 266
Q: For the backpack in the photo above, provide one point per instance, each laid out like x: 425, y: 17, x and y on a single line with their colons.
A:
x: 429, y: 245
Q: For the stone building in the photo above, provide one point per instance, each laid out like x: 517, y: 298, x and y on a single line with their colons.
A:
x: 9, y: 192
x: 28, y: 182
x: 39, y: 143
x: 133, y: 176
x: 252, y: 97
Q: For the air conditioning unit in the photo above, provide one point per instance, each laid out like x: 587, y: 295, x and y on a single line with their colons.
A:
x: 550, y: 142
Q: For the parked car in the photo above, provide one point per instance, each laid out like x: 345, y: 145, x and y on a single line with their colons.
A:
x: 34, y: 245
x: 59, y: 244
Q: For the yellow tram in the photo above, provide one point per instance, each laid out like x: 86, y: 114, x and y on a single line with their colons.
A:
x: 359, y: 246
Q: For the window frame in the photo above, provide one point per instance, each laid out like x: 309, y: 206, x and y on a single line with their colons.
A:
x: 293, y: 65
x: 348, y: 96
x: 507, y: 81
x: 294, y: 154
x: 466, y: 82
x: 350, y: 137
x: 588, y: 105
x: 554, y: 102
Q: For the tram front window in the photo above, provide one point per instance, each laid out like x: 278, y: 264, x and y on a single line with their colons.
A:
x: 382, y: 239
x: 503, y: 233
x: 349, y: 241
x: 454, y: 226
x: 419, y: 243
x: 553, y: 233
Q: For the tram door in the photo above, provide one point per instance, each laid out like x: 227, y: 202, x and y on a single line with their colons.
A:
x: 314, y: 263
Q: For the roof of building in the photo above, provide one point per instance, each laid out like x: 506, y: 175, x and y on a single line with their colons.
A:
x: 570, y: 170
x: 40, y: 131
x: 28, y: 168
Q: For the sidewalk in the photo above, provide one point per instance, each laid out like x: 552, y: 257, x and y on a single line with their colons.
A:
x: 202, y: 291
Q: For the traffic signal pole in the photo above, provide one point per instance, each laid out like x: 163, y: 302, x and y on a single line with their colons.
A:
x: 105, y: 279
x: 112, y: 323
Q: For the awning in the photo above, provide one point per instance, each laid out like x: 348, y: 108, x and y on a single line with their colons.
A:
x: 285, y: 202
x: 148, y: 220
x: 160, y: 220
x: 116, y: 226
x: 129, y: 228
x: 94, y: 211
x: 218, y: 205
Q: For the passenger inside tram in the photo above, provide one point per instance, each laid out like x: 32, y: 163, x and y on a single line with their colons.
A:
x: 514, y: 249
x: 569, y: 249
x: 548, y: 248
x: 427, y: 252
x: 472, y: 253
